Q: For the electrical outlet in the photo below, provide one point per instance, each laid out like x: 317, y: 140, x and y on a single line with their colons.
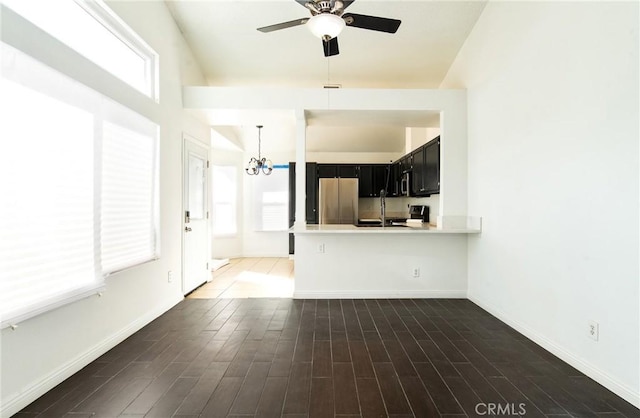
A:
x: 593, y: 330
x: 321, y: 248
x: 416, y: 272
x: 170, y: 277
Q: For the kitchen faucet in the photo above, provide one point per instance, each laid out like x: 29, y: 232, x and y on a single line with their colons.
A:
x: 383, y: 195
x: 383, y: 206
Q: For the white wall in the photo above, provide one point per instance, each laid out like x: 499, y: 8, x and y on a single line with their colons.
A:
x: 46, y: 349
x: 230, y: 246
x: 415, y: 137
x: 380, y: 265
x: 262, y: 243
x: 554, y: 173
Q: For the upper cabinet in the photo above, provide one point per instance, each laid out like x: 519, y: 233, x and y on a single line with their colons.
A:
x: 337, y: 170
x: 394, y: 180
x: 432, y: 167
x: 406, y: 163
x: 327, y: 171
x: 417, y: 178
x: 372, y: 179
x: 425, y: 177
x: 348, y: 171
x: 423, y: 164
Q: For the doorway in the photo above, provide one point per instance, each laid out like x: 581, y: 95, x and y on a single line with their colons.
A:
x: 250, y: 277
x: 195, y: 214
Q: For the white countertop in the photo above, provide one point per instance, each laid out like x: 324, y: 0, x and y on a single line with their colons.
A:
x: 352, y: 229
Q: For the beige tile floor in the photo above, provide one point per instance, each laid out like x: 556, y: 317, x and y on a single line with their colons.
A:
x: 250, y: 278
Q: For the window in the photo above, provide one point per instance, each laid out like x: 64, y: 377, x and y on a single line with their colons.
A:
x: 129, y: 203
x: 271, y: 200
x: 78, y: 180
x: 47, y: 188
x: 93, y: 30
x: 224, y: 195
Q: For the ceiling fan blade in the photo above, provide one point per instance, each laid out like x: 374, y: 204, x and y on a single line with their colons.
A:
x: 330, y: 47
x: 347, y: 3
x: 284, y: 25
x: 381, y: 24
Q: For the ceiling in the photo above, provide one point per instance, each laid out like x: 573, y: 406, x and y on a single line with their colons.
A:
x: 231, y: 52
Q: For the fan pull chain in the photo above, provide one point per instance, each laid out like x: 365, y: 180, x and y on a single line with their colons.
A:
x: 328, y: 81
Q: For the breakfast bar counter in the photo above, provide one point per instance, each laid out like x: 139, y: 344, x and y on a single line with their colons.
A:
x: 392, y: 229
x: 347, y: 261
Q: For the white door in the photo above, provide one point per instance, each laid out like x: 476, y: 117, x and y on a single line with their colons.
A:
x: 195, y: 222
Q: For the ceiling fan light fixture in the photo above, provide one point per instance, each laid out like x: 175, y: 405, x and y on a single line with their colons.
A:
x: 326, y: 25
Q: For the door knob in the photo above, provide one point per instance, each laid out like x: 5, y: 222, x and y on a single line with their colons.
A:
x: 187, y: 229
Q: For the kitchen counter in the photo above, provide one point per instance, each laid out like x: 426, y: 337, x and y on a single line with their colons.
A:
x: 394, y: 229
x: 417, y: 261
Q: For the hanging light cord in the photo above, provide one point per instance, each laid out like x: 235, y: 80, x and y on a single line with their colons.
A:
x: 328, y: 81
x: 259, y: 143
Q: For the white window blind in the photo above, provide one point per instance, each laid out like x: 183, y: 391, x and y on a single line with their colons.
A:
x: 129, y: 198
x: 47, y: 252
x: 224, y: 185
x: 271, y: 200
x: 78, y: 184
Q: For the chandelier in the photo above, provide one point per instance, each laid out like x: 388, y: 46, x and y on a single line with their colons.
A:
x: 259, y: 164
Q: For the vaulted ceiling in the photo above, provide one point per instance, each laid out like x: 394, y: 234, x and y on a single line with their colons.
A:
x: 231, y: 51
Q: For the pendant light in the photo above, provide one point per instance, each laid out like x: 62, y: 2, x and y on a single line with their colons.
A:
x: 256, y: 165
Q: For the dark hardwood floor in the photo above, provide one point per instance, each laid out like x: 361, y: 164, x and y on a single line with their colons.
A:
x: 316, y: 358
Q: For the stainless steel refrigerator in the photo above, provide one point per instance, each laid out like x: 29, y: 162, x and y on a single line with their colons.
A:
x: 338, y: 201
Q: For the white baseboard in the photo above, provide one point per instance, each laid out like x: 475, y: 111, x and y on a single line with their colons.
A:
x: 382, y: 294
x: 13, y: 405
x: 593, y: 372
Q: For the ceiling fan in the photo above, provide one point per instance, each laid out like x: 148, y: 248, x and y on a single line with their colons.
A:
x: 328, y: 19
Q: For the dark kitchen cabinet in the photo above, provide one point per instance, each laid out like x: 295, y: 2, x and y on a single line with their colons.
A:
x: 348, y: 171
x: 311, y: 188
x: 379, y: 178
x: 337, y: 170
x: 312, y: 193
x: 372, y: 179
x: 365, y: 181
x: 425, y: 179
x: 327, y: 171
x: 292, y: 193
x: 417, y: 178
x: 406, y: 163
x: 292, y: 204
x: 431, y: 177
x: 395, y: 177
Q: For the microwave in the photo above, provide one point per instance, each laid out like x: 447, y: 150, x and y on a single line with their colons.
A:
x: 405, y: 184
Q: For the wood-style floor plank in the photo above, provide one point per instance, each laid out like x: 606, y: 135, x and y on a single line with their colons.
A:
x: 344, y: 388
x: 269, y: 357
